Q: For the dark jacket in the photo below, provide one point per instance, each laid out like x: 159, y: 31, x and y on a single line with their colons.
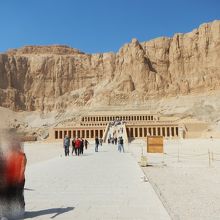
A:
x: 66, y: 142
x: 97, y: 141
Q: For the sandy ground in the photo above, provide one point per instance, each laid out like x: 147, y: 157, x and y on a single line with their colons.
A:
x: 188, y: 184
x: 104, y: 185
x: 186, y: 179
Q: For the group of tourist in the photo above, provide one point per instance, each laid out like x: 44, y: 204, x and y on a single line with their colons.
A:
x: 78, y: 145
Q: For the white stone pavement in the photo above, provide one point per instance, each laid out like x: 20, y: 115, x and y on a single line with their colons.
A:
x: 97, y: 186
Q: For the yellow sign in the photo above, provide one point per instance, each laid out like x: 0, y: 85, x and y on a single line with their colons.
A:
x: 155, y: 144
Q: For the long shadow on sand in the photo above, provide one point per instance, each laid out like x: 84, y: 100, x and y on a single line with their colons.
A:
x: 55, y: 211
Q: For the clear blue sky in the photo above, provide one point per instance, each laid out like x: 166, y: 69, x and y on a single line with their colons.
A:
x: 98, y: 25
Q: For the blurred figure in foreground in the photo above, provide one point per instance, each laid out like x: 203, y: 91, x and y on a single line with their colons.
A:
x: 12, y: 168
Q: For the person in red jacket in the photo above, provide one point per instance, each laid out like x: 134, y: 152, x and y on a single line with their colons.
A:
x: 15, y: 173
x: 77, y: 146
x: 14, y: 180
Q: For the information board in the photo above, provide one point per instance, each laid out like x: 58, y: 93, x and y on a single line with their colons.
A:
x: 155, y: 144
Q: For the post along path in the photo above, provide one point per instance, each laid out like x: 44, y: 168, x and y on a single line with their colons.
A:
x: 99, y: 186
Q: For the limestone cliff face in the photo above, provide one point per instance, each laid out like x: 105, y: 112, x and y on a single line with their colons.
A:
x: 50, y: 78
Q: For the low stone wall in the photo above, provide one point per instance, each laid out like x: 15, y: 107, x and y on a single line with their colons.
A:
x: 28, y: 138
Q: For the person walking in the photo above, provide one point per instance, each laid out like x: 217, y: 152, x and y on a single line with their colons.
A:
x: 66, y: 144
x: 86, y: 144
x: 100, y: 141
x: 73, y: 146
x: 121, y: 144
x: 81, y: 146
x: 77, y: 146
x: 96, y: 144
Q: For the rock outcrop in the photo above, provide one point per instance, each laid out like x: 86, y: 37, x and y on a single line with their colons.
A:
x: 47, y: 78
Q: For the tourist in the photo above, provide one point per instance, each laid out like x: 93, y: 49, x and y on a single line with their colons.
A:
x: 77, y: 146
x: 96, y: 144
x: 100, y: 141
x: 86, y: 144
x: 14, y: 179
x: 116, y: 140
x: 3, y: 202
x: 81, y: 146
x: 121, y: 143
x: 73, y: 146
x: 66, y: 144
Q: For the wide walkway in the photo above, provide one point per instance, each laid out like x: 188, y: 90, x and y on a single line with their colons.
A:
x: 97, y: 186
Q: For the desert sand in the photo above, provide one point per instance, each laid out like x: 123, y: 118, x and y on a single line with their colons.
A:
x: 110, y: 185
x: 187, y: 185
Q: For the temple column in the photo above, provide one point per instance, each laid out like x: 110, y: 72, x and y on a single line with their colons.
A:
x: 142, y: 132
x: 139, y: 132
x: 172, y: 131
x: 174, y: 128
x: 176, y: 131
x: 165, y: 131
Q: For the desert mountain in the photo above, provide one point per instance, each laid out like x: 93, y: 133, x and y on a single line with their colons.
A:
x: 151, y: 74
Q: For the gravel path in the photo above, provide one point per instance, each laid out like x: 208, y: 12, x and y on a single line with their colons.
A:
x: 104, y: 185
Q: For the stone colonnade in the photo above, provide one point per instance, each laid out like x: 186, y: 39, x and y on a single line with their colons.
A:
x: 143, y: 131
x: 119, y: 117
x: 132, y: 131
x: 59, y: 133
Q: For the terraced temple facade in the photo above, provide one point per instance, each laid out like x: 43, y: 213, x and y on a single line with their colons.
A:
x: 135, y: 124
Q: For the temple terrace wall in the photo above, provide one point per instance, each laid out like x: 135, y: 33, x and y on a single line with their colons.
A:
x: 137, y: 126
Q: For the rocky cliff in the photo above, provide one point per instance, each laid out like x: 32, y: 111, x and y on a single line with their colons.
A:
x: 57, y: 77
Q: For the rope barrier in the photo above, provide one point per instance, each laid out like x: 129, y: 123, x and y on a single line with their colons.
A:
x: 194, y: 154
x: 209, y: 157
x: 216, y: 160
x: 216, y: 153
x: 186, y: 155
